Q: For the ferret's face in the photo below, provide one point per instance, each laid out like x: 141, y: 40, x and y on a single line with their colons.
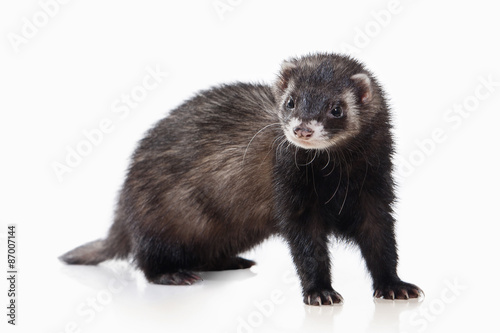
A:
x: 321, y: 105
x: 313, y: 121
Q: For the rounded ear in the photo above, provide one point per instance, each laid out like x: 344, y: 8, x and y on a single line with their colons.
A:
x: 364, y: 84
x: 285, y: 74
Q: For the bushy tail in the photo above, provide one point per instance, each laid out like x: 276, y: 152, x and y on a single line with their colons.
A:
x: 116, y: 246
x: 88, y: 254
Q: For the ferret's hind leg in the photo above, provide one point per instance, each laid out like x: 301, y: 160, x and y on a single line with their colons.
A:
x: 169, y: 266
x: 187, y: 277
x: 177, y: 278
x: 174, y: 264
x: 231, y: 263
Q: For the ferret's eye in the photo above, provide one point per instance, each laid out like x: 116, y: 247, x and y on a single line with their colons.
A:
x: 290, y: 104
x: 337, y: 112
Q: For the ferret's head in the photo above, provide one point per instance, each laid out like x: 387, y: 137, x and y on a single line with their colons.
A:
x: 325, y: 100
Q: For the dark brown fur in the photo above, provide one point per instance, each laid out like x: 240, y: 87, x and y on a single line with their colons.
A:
x: 217, y: 176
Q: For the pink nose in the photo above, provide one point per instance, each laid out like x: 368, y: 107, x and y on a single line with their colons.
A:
x: 303, y: 132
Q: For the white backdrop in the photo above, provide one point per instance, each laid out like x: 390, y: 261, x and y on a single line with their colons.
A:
x: 81, y: 81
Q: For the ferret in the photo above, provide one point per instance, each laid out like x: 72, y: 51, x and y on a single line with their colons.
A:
x: 305, y: 158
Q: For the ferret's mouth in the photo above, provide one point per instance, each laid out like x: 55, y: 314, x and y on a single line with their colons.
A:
x: 307, y: 135
x: 309, y: 143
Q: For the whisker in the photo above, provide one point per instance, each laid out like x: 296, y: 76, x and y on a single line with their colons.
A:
x: 338, y: 184
x: 315, y: 152
x: 263, y: 128
x: 347, y: 188
x: 364, y: 178
x: 272, y: 146
x: 314, y: 182
x: 345, y: 197
x: 279, y: 148
x: 333, y: 165
x: 296, y: 149
x: 327, y: 162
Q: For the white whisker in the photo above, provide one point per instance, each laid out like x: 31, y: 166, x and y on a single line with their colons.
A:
x: 328, y: 162
x: 315, y: 152
x: 347, y: 188
x: 296, y: 164
x: 279, y: 148
x: 345, y: 197
x: 333, y: 166
x: 263, y: 128
x: 272, y: 145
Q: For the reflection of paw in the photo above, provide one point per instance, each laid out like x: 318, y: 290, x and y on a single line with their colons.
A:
x: 323, y: 297
x: 177, y: 278
x: 397, y: 290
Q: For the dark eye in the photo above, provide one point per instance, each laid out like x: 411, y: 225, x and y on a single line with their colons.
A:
x: 337, y: 112
x: 290, y: 104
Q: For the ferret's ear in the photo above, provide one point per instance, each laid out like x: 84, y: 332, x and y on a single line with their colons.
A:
x: 285, y: 73
x: 364, y: 85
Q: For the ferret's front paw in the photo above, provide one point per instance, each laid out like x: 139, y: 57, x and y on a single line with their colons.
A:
x: 397, y: 290
x: 323, y: 297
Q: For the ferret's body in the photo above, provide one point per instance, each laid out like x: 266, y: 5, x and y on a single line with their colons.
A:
x: 305, y: 158
x: 197, y: 191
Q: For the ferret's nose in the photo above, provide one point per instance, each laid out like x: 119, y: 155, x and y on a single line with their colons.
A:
x: 303, y: 132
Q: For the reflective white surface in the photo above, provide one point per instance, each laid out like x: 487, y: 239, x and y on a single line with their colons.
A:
x: 266, y: 298
x: 435, y: 61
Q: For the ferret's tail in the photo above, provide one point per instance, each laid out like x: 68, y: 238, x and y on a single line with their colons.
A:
x: 116, y: 245
x: 88, y: 254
